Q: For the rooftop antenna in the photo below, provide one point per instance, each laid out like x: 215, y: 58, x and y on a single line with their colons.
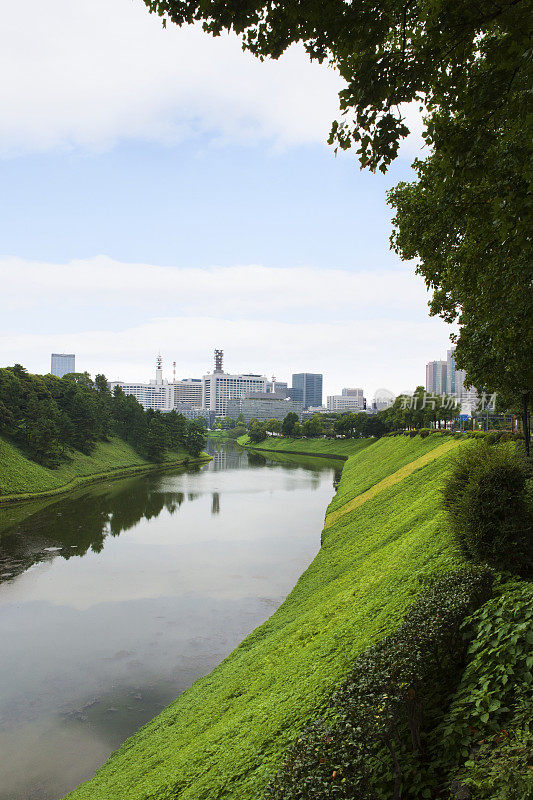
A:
x: 174, y: 370
x: 219, y: 355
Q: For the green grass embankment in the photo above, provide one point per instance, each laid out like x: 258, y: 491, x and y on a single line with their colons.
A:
x: 224, y: 737
x: 333, y: 448
x: 21, y: 478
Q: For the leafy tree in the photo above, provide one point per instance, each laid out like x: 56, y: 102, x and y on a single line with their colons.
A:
x: 289, y: 423
x: 312, y: 428
x: 156, y: 439
x: 257, y: 431
x: 273, y: 426
x: 196, y: 437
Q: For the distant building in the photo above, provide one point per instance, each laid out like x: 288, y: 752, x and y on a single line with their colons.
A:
x: 219, y: 387
x: 63, y: 364
x: 188, y: 390
x: 450, y: 372
x: 307, y: 388
x: 263, y: 406
x: 161, y: 395
x: 383, y: 398
x: 436, y: 377
x: 342, y: 402
x: 278, y: 387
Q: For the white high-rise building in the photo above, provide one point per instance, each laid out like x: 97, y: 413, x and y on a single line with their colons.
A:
x: 218, y: 387
x: 161, y: 395
x: 456, y: 385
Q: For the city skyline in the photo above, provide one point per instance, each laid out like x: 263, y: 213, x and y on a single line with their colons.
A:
x: 191, y: 213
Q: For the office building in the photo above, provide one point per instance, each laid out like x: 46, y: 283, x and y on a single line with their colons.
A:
x: 307, y: 388
x: 157, y: 394
x: 219, y: 387
x: 436, y: 377
x: 62, y: 364
x: 188, y: 390
x: 161, y: 395
x: 278, y: 387
x: 342, y: 402
x: 263, y: 406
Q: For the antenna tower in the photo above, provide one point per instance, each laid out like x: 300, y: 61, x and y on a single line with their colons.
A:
x: 219, y: 355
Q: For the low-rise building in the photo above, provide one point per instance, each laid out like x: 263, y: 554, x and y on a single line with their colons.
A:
x: 343, y: 402
x: 263, y: 406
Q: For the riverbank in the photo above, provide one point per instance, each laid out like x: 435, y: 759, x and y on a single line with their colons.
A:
x: 322, y: 448
x: 227, y: 734
x: 23, y: 479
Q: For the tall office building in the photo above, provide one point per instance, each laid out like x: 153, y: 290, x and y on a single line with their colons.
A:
x: 219, y: 387
x: 436, y: 377
x: 307, y: 388
x: 450, y: 372
x: 62, y: 364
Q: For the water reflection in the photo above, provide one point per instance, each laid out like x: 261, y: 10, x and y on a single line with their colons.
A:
x: 117, y: 598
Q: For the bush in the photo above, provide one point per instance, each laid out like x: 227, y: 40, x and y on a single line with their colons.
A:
x: 413, y: 433
x: 486, y: 500
x: 424, y: 432
x: 397, y: 692
x: 487, y: 733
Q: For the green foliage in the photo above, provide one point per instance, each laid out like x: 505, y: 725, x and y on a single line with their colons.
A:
x: 487, y: 736
x: 257, y: 431
x: 289, y: 424
x: 486, y: 500
x: 393, y: 697
x: 225, y: 736
x: 48, y: 417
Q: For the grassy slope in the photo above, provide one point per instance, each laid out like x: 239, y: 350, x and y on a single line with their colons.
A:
x: 332, y: 447
x: 20, y: 475
x: 225, y: 735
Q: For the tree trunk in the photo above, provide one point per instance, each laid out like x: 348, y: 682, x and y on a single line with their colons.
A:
x: 525, y: 420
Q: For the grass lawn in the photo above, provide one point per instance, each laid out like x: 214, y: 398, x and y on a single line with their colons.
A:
x: 224, y: 736
x: 20, y: 475
x: 330, y: 447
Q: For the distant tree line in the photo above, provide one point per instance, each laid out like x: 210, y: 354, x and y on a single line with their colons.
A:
x: 412, y: 412
x: 47, y: 416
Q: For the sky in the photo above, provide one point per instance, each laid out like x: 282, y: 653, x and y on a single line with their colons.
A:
x: 162, y: 191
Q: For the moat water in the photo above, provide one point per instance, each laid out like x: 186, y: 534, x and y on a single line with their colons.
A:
x: 115, y: 599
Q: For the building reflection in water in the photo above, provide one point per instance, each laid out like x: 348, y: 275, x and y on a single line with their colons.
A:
x: 215, y: 503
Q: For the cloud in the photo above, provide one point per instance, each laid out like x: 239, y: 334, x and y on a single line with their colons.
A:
x: 91, y: 73
x: 117, y: 288
x: 367, y: 329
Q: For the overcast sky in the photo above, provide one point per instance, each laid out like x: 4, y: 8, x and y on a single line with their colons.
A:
x: 162, y: 190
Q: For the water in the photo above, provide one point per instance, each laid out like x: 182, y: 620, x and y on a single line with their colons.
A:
x: 115, y: 599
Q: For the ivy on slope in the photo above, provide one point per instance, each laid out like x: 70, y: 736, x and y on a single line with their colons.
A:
x: 411, y: 721
x: 226, y: 735
x: 377, y: 746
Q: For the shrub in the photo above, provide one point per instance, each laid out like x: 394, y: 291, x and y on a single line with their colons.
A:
x: 506, y: 436
x: 424, y: 432
x: 487, y: 733
x: 413, y: 433
x: 486, y: 500
x: 397, y: 691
